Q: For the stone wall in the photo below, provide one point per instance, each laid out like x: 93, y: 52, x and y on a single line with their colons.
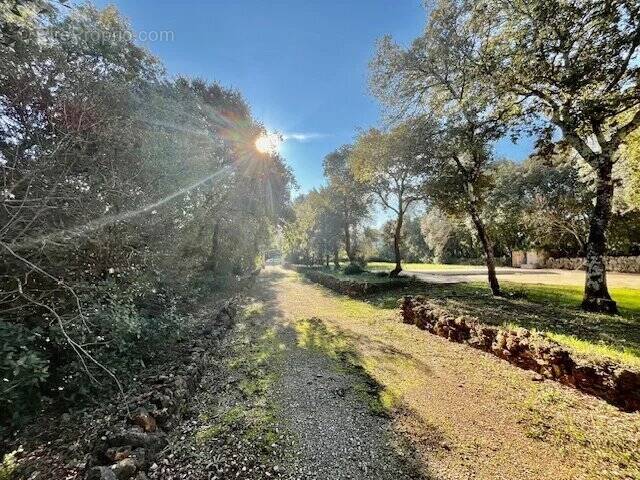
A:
x: 127, y: 446
x: 354, y: 288
x: 614, y: 264
x: 617, y: 384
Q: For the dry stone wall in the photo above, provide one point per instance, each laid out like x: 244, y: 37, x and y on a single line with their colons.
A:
x: 353, y: 288
x: 617, y: 384
x: 614, y: 264
x: 126, y: 448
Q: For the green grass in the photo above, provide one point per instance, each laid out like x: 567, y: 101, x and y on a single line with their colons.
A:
x: 249, y: 412
x: 628, y: 299
x: 8, y: 466
x: 551, y: 309
x: 421, y: 267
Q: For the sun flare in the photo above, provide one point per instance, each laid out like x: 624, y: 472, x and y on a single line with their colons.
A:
x: 268, y: 143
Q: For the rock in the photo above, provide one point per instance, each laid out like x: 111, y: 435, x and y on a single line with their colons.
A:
x: 115, y: 454
x: 140, y: 457
x: 124, y: 469
x: 137, y: 438
x: 144, y: 420
x: 101, y: 473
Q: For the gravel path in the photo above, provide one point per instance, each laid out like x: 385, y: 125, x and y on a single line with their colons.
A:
x: 457, y: 414
x: 319, y: 428
x: 339, y: 437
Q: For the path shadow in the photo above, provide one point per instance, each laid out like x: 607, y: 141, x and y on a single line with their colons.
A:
x: 337, y: 347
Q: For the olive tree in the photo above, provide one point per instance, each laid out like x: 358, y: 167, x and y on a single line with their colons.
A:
x: 575, y: 62
x: 438, y: 73
x: 392, y: 165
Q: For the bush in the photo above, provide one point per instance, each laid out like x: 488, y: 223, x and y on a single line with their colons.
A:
x: 23, y: 369
x: 353, y: 269
x: 125, y: 327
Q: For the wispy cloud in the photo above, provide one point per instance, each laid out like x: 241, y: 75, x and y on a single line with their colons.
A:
x: 303, y: 137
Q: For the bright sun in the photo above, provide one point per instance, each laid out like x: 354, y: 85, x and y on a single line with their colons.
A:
x: 268, y: 143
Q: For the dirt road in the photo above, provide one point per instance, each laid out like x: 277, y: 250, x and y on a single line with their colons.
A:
x: 334, y: 388
x: 519, y: 275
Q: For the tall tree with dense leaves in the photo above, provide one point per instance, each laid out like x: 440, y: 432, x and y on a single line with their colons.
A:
x: 393, y: 166
x: 349, y: 194
x: 438, y: 73
x: 315, y: 233
x: 121, y: 192
x: 576, y: 63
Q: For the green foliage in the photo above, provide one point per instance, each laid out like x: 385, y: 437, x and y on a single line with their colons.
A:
x: 353, y: 269
x: 23, y: 369
x: 8, y: 466
x: 143, y: 191
x: 316, y: 231
x: 349, y: 196
x: 448, y: 238
x: 414, y: 247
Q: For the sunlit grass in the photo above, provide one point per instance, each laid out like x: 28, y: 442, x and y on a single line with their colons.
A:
x: 628, y: 299
x: 422, y: 267
x: 595, y: 351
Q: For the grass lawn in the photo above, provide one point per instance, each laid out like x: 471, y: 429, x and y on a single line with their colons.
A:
x: 421, y: 267
x: 552, y: 309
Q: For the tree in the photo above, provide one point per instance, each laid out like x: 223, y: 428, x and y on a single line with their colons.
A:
x: 438, y: 73
x: 349, y: 196
x: 543, y: 202
x: 630, y: 172
x: 392, y: 166
x: 506, y: 207
x: 576, y: 63
x: 414, y: 247
x: 447, y: 237
x: 124, y: 194
x: 315, y: 233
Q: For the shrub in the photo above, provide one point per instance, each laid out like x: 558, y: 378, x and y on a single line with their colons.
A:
x: 23, y: 369
x: 353, y: 269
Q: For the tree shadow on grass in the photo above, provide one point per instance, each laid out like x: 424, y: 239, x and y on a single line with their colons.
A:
x: 548, y: 313
x: 314, y: 334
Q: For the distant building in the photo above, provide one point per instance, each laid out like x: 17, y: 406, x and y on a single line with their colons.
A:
x: 529, y: 259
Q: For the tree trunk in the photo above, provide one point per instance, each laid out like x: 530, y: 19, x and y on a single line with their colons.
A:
x: 347, y: 242
x: 327, y: 261
x: 396, y: 246
x: 596, y: 294
x: 336, y: 259
x: 487, y: 246
x: 213, y: 263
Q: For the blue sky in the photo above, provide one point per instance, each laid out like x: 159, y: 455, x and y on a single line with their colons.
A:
x: 302, y: 65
